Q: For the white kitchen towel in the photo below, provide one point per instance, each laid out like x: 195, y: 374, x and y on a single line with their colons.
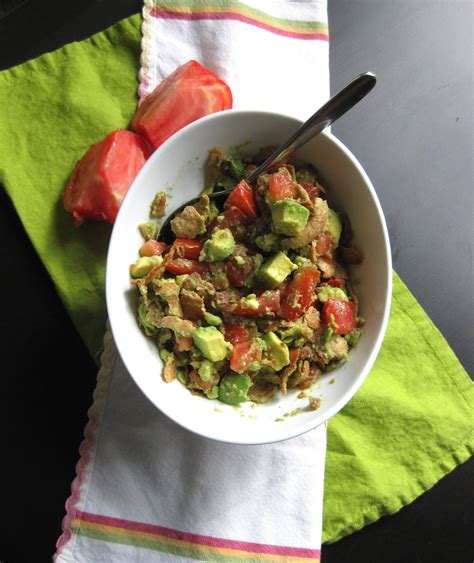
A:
x: 147, y: 490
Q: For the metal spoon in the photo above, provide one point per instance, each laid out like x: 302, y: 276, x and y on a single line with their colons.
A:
x: 338, y: 105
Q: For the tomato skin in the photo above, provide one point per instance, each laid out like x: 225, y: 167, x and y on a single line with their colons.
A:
x: 181, y: 266
x: 342, y: 313
x: 101, y: 178
x: 268, y: 302
x: 300, y: 294
x: 235, y: 333
x: 311, y: 190
x: 323, y: 244
x: 187, y: 248
x: 244, y: 354
x: 243, y: 198
x: 337, y: 282
x: 152, y: 248
x: 230, y: 302
x: 281, y: 185
x: 233, y: 219
x: 190, y: 92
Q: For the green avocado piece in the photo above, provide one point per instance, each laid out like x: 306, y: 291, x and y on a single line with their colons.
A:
x: 277, y: 351
x: 148, y: 230
x: 219, y: 246
x: 142, y: 315
x: 210, y: 342
x: 327, y: 291
x: 289, y: 217
x: 233, y: 388
x: 144, y: 265
x: 206, y: 370
x: 275, y: 270
x: 333, y: 226
x: 211, y: 319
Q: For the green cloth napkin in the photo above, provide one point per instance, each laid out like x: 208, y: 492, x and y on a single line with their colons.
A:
x: 412, y: 420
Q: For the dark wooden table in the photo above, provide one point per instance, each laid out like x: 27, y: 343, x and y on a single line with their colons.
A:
x: 415, y: 139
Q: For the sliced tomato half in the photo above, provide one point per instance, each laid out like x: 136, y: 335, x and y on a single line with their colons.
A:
x: 190, y: 92
x: 103, y: 175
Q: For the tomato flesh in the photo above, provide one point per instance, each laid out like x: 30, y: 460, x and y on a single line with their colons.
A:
x: 244, y: 354
x: 235, y: 333
x: 181, y: 266
x: 268, y: 302
x: 243, y: 198
x: 190, y: 92
x: 103, y: 175
x: 323, y: 244
x: 152, y: 248
x: 311, y: 190
x: 281, y: 185
x: 300, y: 294
x: 340, y: 315
x: 187, y: 248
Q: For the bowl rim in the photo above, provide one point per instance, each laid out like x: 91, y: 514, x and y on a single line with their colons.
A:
x: 284, y: 433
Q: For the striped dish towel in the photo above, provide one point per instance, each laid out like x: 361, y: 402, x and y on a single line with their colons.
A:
x: 147, y: 490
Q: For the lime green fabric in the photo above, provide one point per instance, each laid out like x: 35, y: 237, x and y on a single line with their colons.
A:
x: 411, y: 422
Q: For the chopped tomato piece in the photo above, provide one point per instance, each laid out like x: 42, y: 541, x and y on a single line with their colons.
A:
x: 187, y: 248
x: 311, y: 190
x: 340, y: 315
x: 300, y: 295
x: 233, y: 219
x: 187, y: 94
x: 268, y: 302
x: 103, y: 175
x: 281, y: 185
x: 337, y: 282
x: 243, y: 198
x: 235, y: 333
x: 244, y: 354
x: 238, y: 274
x: 323, y: 244
x: 152, y: 248
x: 181, y: 266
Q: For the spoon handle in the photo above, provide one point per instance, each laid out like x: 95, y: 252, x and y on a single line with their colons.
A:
x: 338, y: 105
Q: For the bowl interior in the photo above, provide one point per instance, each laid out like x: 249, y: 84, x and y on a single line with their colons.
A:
x: 177, y: 168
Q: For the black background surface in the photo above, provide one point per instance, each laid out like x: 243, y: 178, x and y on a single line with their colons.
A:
x: 415, y: 140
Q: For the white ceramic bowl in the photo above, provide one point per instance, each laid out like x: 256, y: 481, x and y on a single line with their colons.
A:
x: 178, y: 164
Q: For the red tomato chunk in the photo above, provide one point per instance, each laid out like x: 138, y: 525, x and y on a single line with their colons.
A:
x: 103, y: 175
x: 187, y: 94
x: 300, y: 294
x: 243, y: 198
x: 244, y: 354
x: 340, y: 315
x: 281, y: 185
x: 187, y: 248
x: 181, y: 266
x: 235, y: 333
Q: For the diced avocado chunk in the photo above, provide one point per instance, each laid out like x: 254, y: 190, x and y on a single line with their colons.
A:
x: 210, y: 342
x: 219, y: 246
x: 144, y: 265
x: 275, y: 270
x: 206, y: 370
x: 233, y: 388
x: 158, y: 205
x: 277, y: 353
x: 289, y: 217
x: 211, y: 319
x: 164, y: 354
x: 148, y: 230
x: 250, y: 301
x: 267, y: 243
x: 236, y: 168
x: 213, y: 392
x: 353, y: 337
x: 180, y: 279
x: 327, y: 291
x: 333, y: 226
